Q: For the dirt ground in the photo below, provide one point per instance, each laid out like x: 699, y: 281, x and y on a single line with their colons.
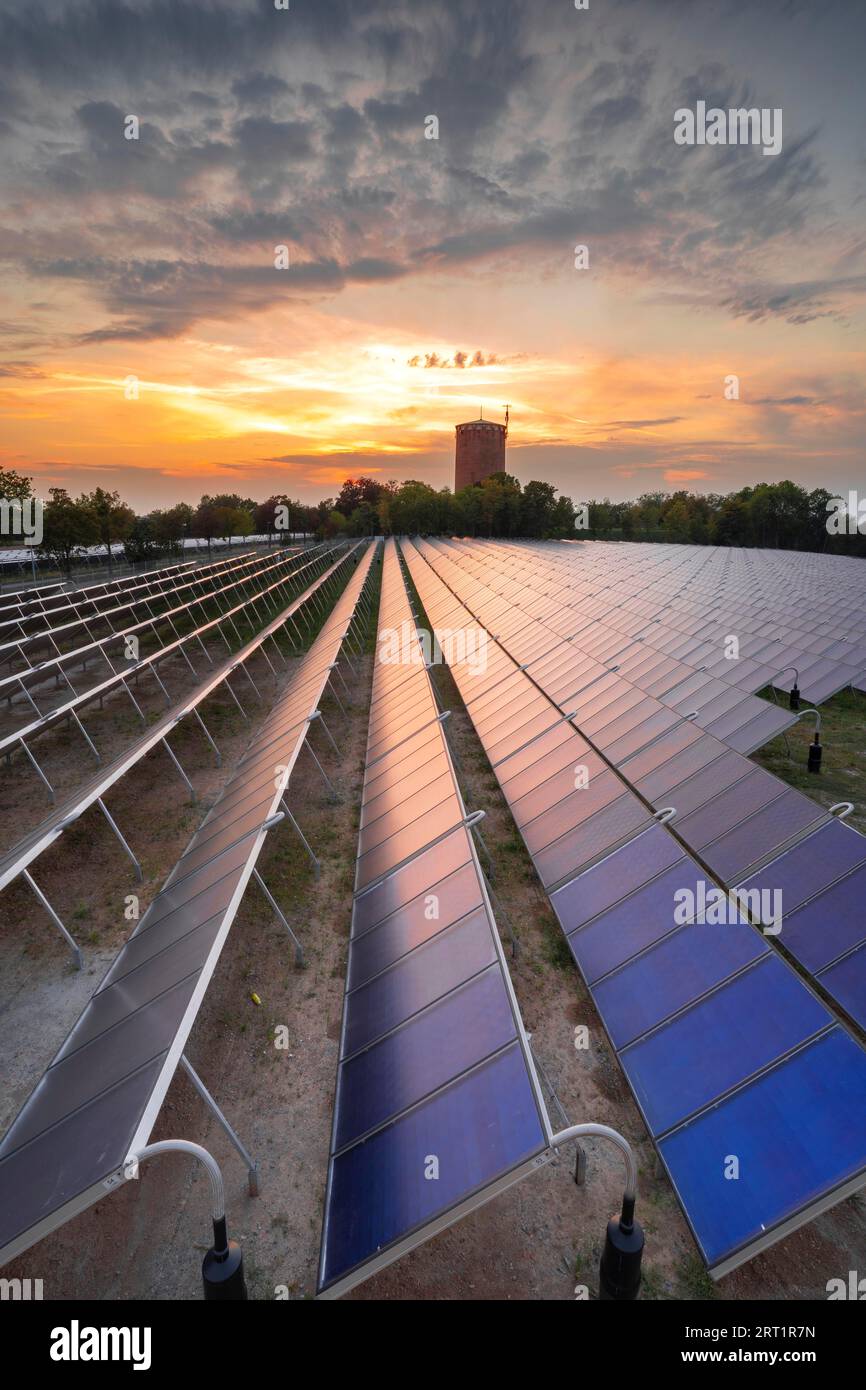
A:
x: 535, y: 1241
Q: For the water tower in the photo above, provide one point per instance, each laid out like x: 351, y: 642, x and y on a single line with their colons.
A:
x: 480, y: 451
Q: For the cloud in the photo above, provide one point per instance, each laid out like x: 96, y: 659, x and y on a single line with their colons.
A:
x: 261, y: 127
x: 644, y: 424
x: 684, y: 475
x: 460, y: 360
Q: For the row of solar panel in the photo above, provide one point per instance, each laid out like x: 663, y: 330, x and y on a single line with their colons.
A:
x: 24, y: 610
x: 697, y: 631
x: 718, y: 1037
x: 112, y: 611
x: 733, y: 815
x: 701, y: 642
x: 281, y: 577
x: 34, y: 842
x: 741, y: 720
x: 189, y: 599
x: 436, y: 1099
x: 99, y: 1098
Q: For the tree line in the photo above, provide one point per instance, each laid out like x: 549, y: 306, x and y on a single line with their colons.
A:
x: 777, y: 515
x: 780, y: 516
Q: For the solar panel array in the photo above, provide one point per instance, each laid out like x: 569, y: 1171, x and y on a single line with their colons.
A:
x: 730, y: 1055
x: 672, y: 675
x: 99, y: 1098
x: 734, y: 816
x: 187, y: 600
x: 437, y: 1105
x: 45, y: 601
x: 30, y: 846
x: 267, y: 587
x: 21, y: 639
x: 787, y: 608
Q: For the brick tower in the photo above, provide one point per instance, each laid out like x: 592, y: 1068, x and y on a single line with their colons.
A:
x: 480, y: 451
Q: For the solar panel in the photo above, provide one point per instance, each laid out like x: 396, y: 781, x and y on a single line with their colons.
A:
x: 437, y: 1105
x: 99, y: 1099
x: 704, y: 1016
x: 23, y: 854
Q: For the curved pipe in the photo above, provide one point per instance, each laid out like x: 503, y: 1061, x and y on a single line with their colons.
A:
x: 163, y: 1146
x: 817, y: 714
x: 593, y: 1131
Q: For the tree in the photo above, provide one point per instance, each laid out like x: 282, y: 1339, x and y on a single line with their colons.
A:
x: 171, y: 527
x: 537, y: 507
x: 355, y: 491
x: 67, y: 527
x: 113, y: 518
x: 14, y: 487
x: 141, y: 542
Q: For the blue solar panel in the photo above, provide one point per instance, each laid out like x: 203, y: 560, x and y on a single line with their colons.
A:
x: 434, y: 1067
x: 376, y: 949
x: 615, y: 877
x: 415, y: 981
x: 438, y: 1044
x: 672, y: 975
x: 704, y: 1014
x: 797, y: 1133
x: 827, y: 926
x: 846, y: 981
x: 478, y: 1129
x: 736, y: 1031
x: 632, y: 925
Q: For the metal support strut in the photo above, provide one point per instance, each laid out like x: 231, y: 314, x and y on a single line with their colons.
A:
x: 55, y: 919
x: 252, y: 1166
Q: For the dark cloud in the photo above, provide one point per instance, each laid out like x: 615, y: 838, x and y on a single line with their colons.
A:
x: 643, y: 424
x: 307, y: 126
x: 782, y: 400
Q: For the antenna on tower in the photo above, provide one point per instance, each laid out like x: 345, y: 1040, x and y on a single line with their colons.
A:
x: 507, y: 410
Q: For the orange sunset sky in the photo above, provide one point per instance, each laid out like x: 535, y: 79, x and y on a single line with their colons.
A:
x: 428, y: 278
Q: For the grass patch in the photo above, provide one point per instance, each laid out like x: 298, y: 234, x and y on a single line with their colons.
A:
x: 843, y: 769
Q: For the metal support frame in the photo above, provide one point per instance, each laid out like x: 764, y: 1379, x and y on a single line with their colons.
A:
x: 252, y: 1165
x: 302, y: 837
x: 73, y: 945
x: 39, y: 770
x: 111, y: 821
x: 317, y: 714
x: 205, y: 731
x: 328, y: 783
x: 169, y: 751
x: 299, y: 950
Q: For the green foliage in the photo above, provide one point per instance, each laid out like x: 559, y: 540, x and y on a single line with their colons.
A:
x: 770, y: 515
x: 14, y: 486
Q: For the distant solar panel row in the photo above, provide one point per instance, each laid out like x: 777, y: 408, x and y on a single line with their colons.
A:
x: 272, y: 585
x: 43, y: 608
x: 76, y: 621
x: 786, y: 608
x: 724, y: 1047
x: 99, y: 1099
x: 28, y: 849
x: 734, y: 816
x: 189, y: 600
x: 437, y: 1105
x: 675, y: 686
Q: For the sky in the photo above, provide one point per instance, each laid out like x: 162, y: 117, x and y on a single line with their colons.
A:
x: 149, y: 343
